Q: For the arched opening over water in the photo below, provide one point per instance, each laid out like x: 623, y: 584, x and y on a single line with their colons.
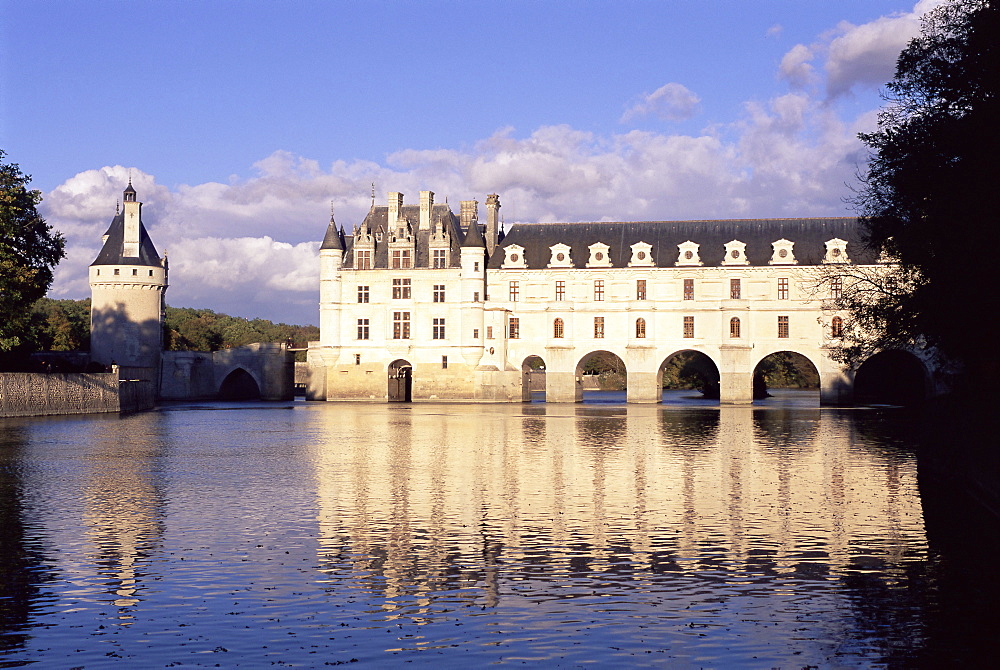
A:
x: 533, y: 379
x: 784, y: 370
x: 400, y: 381
x: 690, y: 370
x: 891, y: 377
x: 602, y: 372
x: 239, y: 385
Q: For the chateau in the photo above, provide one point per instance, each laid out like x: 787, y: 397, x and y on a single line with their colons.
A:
x: 420, y: 304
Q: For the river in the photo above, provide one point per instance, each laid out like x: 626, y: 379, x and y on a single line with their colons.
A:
x: 778, y: 535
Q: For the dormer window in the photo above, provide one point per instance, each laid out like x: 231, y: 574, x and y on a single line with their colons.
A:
x: 836, y: 251
x: 688, y: 253
x: 736, y: 253
x: 560, y: 256
x: 641, y: 255
x: 599, y: 257
x: 513, y: 257
x: 782, y: 253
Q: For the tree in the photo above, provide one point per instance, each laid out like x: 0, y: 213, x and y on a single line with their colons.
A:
x: 930, y: 197
x: 29, y: 250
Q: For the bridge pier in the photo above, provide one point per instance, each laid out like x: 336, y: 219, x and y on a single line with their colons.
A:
x: 735, y: 375
x: 836, y: 385
x: 562, y: 387
x: 644, y: 387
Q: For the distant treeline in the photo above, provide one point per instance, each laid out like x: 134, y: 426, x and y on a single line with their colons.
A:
x: 64, y: 325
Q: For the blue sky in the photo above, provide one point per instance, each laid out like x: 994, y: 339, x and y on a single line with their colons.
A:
x: 241, y: 121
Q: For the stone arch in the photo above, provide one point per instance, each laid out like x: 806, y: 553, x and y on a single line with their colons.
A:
x: 689, y: 369
x: 893, y: 377
x: 605, y: 369
x: 532, y: 377
x: 400, y: 381
x: 784, y: 369
x: 239, y: 385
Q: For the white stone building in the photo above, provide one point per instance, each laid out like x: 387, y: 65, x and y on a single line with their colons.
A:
x: 420, y: 304
x: 128, y: 281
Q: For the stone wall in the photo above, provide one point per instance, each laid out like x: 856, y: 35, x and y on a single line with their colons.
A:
x: 33, y: 394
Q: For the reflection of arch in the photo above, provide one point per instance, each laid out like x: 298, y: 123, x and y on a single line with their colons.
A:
x: 784, y: 369
x: 690, y: 369
x: 608, y: 367
x: 532, y: 377
x: 400, y: 381
x: 895, y: 377
x: 239, y: 385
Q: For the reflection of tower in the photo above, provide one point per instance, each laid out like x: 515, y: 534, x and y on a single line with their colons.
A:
x: 128, y: 281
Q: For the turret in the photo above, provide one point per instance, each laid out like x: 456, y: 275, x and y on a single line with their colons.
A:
x: 128, y: 282
x: 331, y: 259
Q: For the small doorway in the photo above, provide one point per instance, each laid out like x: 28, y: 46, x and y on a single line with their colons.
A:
x: 400, y: 381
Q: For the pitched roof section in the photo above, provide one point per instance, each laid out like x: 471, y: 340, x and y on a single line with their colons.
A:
x: 332, y: 240
x: 377, y: 220
x: 111, y: 252
x: 809, y: 236
x: 474, y: 237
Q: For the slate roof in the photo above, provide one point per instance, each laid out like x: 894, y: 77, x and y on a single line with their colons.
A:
x: 377, y: 222
x: 333, y: 238
x: 808, y: 235
x: 474, y: 237
x: 111, y: 252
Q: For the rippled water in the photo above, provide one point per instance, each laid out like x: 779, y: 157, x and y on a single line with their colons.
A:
x: 304, y: 534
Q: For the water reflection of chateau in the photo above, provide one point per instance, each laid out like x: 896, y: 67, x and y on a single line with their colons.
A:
x: 426, y: 503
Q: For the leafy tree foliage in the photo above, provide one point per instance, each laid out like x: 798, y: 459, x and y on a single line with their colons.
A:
x: 29, y: 250
x: 60, y: 325
x: 189, y: 329
x: 929, y: 197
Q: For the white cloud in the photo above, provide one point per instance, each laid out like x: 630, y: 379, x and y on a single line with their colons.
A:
x: 855, y: 56
x: 670, y: 102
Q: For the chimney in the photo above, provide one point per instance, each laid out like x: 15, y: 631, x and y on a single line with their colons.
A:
x: 469, y: 213
x: 426, y: 207
x: 395, y: 209
x: 492, y: 221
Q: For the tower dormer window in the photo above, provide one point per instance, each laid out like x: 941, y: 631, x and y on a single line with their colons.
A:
x: 599, y: 257
x: 688, y: 253
x: 736, y: 253
x: 782, y: 253
x: 560, y: 256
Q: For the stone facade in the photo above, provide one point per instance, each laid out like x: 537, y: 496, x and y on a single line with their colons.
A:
x: 465, y: 325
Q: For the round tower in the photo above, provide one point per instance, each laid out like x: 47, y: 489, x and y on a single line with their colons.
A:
x: 128, y: 281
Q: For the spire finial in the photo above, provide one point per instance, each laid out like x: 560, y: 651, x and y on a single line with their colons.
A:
x: 117, y: 211
x: 373, y: 194
x: 331, y: 210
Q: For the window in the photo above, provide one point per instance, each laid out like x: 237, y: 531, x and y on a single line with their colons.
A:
x: 557, y: 328
x: 438, y: 292
x: 444, y: 362
x: 688, y: 326
x: 438, y: 329
x: 783, y: 326
x: 489, y: 332
x: 783, y: 289
x: 400, y: 259
x: 640, y: 328
x: 598, y: 327
x: 837, y: 327
x: 475, y: 296
x: 560, y: 290
x: 475, y: 266
x: 363, y: 260
x: 475, y: 333
x: 362, y: 329
x: 150, y: 273
x: 640, y: 289
x: 513, y: 328
x: 400, y: 289
x: 836, y: 288
x: 735, y: 290
x: 689, y: 289
x: 363, y: 293
x: 734, y: 327
x: 513, y: 291
x: 400, y: 325
x: 598, y: 289
x: 117, y: 272
x: 357, y: 359
x: 439, y: 258
x: 135, y: 272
